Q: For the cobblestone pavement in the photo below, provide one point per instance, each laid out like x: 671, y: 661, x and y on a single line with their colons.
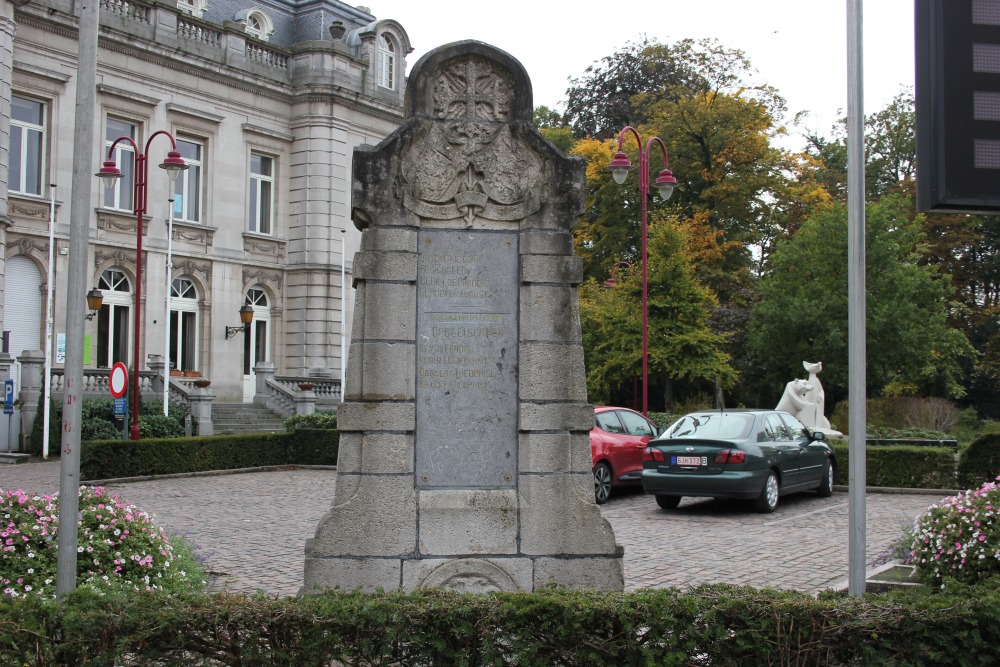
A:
x: 252, y: 528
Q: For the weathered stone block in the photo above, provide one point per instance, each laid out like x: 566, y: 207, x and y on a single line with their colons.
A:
x: 470, y: 575
x: 554, y: 452
x: 375, y: 416
x: 387, y: 371
x: 468, y: 521
x: 392, y: 314
x: 552, y: 373
x: 559, y: 516
x: 550, y: 313
x: 593, y: 573
x: 551, y: 269
x: 381, y: 239
x: 556, y: 417
x: 375, y: 453
x: 349, y: 574
x: 372, y: 515
x: 385, y: 266
x: 541, y: 242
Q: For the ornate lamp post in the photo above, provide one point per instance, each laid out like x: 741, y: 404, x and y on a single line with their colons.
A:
x: 665, y: 182
x: 174, y: 164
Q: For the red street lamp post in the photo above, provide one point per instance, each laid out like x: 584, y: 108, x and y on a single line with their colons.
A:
x: 174, y: 164
x: 665, y: 182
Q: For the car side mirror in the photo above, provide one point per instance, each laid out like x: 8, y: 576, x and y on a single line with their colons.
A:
x: 817, y: 436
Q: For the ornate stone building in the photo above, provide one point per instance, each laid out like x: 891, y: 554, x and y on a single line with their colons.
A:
x: 267, y: 100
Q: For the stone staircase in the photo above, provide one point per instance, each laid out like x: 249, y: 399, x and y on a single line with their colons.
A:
x: 230, y: 418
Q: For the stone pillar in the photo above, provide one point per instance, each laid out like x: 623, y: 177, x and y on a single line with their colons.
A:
x: 262, y: 372
x: 464, y: 453
x: 156, y: 364
x: 201, y: 410
x: 305, y: 402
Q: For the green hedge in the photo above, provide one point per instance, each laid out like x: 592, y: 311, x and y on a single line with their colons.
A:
x: 714, y: 625
x: 109, y: 459
x: 898, y: 466
x: 980, y: 462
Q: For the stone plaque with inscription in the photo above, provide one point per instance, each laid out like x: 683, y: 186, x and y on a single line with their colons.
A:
x: 466, y: 359
x: 464, y: 449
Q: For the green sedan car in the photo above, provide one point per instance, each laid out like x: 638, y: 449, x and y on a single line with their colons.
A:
x: 753, y: 454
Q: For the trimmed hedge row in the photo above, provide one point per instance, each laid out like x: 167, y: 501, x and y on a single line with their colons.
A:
x: 110, y: 459
x: 900, y: 466
x: 980, y: 462
x: 711, y: 625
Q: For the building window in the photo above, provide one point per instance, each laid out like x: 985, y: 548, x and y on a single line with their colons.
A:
x: 187, y: 188
x: 193, y: 7
x: 27, y: 145
x: 255, y: 345
x: 259, y: 25
x: 261, y: 197
x: 386, y: 63
x: 113, y: 319
x: 119, y: 196
x: 183, y: 325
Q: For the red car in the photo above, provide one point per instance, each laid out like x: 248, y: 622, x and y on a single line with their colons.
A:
x: 616, y: 444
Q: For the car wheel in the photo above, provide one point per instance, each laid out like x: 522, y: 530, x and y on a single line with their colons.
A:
x: 825, y: 489
x: 602, y: 483
x: 668, y: 502
x: 768, y: 498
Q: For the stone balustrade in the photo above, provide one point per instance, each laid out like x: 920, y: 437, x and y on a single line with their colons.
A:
x: 286, y: 395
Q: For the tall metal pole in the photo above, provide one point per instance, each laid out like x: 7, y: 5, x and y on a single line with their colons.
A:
x: 166, y: 316
x: 139, y: 198
x: 643, y: 196
x: 856, y: 297
x: 80, y: 212
x: 49, y: 314
x: 619, y: 167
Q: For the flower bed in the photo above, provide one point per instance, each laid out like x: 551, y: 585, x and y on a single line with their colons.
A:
x: 119, y: 546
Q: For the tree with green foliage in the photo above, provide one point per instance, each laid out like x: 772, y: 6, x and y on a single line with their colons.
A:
x: 682, y: 346
x: 802, y: 314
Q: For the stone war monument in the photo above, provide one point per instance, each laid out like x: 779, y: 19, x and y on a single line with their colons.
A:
x: 464, y: 454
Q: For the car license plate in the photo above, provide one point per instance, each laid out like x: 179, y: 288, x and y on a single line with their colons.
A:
x: 689, y: 460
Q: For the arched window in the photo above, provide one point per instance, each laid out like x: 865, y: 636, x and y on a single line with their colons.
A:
x: 385, y: 70
x: 183, y: 325
x: 259, y: 24
x: 113, y: 318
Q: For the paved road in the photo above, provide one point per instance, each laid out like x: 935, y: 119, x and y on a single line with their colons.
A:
x: 252, y: 528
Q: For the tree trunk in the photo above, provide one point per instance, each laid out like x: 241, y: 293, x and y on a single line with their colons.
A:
x: 668, y: 394
x: 720, y: 397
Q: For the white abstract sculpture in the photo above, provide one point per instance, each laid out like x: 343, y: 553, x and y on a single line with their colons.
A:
x: 805, y: 399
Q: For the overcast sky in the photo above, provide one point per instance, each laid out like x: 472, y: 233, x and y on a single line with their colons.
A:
x: 797, y: 46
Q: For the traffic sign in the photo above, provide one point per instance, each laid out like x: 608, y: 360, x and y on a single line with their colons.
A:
x: 119, y: 380
x: 119, y: 405
x: 8, y: 397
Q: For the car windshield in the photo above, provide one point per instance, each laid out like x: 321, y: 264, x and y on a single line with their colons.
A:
x: 714, y: 425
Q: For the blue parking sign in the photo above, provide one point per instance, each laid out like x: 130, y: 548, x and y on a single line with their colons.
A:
x: 8, y: 397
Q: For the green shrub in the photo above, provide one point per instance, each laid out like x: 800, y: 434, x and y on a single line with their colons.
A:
x: 980, y: 461
x: 708, y: 625
x: 97, y: 422
x: 958, y: 538
x: 315, y: 420
x: 900, y: 466
x: 930, y: 414
x: 119, y: 547
x: 112, y: 459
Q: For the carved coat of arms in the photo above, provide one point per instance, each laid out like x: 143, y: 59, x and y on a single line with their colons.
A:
x: 470, y: 165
